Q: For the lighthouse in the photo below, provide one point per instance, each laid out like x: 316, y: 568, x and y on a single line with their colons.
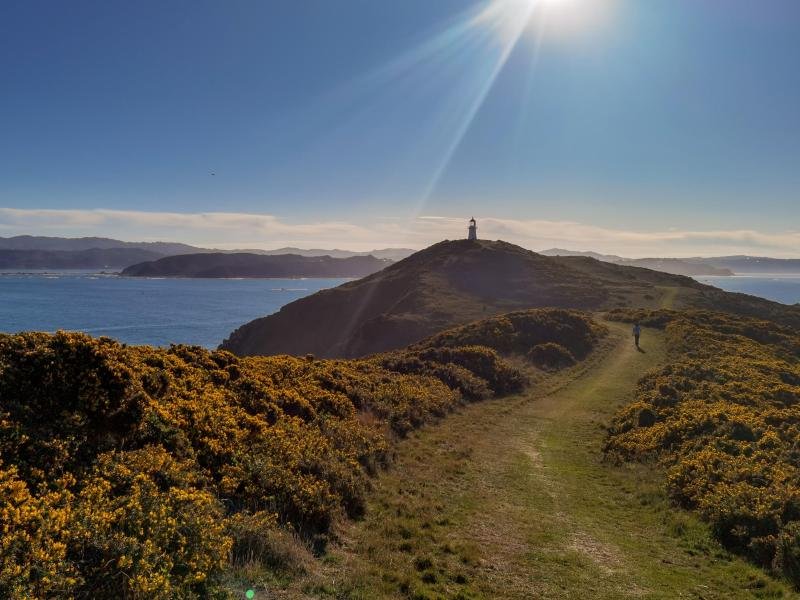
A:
x: 473, y: 230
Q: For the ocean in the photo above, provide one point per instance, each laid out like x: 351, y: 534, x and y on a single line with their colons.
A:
x: 204, y: 311
x: 780, y: 288
x: 143, y: 311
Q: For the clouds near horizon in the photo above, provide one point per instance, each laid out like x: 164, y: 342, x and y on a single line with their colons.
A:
x: 249, y: 230
x: 620, y: 125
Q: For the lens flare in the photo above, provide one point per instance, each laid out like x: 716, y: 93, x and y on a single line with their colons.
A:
x: 560, y: 18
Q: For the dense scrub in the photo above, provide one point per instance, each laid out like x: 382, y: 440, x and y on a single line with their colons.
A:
x: 141, y: 472
x: 724, y: 417
x: 548, y: 337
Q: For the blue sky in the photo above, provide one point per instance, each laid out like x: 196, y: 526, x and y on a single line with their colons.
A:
x: 628, y: 126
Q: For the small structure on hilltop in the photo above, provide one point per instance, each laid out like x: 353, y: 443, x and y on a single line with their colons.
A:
x: 473, y: 229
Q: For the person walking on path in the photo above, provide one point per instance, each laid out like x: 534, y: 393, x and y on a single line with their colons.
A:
x: 637, y: 331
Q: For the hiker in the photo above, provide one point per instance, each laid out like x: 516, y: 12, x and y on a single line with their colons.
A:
x: 637, y: 331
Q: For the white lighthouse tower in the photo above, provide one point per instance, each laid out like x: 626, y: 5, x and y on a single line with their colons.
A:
x: 473, y: 230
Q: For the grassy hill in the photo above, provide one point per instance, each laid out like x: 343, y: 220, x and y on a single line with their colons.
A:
x: 142, y: 472
x: 455, y: 282
x: 448, y: 284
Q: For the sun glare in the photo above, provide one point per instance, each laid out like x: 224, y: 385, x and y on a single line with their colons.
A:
x: 553, y: 18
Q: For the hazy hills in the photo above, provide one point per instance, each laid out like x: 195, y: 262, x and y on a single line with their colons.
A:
x: 59, y: 244
x: 40, y: 252
x: 386, y: 253
x: 45, y: 252
x: 675, y: 266
x: 752, y: 264
x: 216, y: 265
x: 455, y: 282
x: 94, y: 258
x: 696, y: 266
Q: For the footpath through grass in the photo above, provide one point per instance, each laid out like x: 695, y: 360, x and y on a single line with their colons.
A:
x: 511, y: 498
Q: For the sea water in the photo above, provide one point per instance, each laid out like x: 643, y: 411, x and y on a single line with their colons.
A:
x: 780, y: 288
x: 143, y: 310
x: 204, y: 311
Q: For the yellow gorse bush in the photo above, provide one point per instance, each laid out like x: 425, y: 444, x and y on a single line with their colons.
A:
x: 136, y: 472
x: 545, y: 331
x: 724, y: 417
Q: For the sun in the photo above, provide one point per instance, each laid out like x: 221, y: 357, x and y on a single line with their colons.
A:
x: 560, y: 19
x: 529, y: 9
x: 534, y: 4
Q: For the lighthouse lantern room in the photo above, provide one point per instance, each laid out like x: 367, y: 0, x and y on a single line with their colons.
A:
x: 473, y: 229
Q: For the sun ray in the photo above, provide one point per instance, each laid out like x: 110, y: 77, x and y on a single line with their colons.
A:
x: 508, y: 19
x: 444, y: 80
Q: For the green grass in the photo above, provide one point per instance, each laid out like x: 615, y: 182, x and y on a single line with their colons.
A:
x: 512, y: 498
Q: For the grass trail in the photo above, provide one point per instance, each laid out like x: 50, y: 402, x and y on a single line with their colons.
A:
x: 512, y: 499
x: 670, y: 294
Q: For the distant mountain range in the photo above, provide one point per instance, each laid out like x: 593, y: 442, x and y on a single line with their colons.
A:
x: 696, y: 266
x: 94, y: 258
x: 386, y: 253
x: 241, y: 264
x: 455, y: 282
x: 39, y: 252
x: 674, y: 266
x: 752, y: 264
x: 59, y: 244
x: 590, y: 254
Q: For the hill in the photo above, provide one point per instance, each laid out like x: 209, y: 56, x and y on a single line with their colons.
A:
x: 95, y: 258
x: 447, y: 284
x: 589, y: 253
x: 676, y: 266
x: 696, y: 266
x: 168, y: 467
x: 454, y: 282
x: 753, y: 264
x: 32, y: 242
x: 385, y: 253
x: 214, y: 264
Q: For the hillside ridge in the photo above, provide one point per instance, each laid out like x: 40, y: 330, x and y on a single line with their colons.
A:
x: 218, y: 265
x: 446, y: 284
x: 454, y: 282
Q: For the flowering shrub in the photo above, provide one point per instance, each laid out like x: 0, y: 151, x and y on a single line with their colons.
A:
x: 519, y: 332
x: 551, y: 356
x: 477, y: 371
x: 724, y: 418
x: 141, y: 472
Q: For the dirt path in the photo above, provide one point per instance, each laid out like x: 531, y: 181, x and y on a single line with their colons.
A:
x: 670, y: 294
x: 512, y: 499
